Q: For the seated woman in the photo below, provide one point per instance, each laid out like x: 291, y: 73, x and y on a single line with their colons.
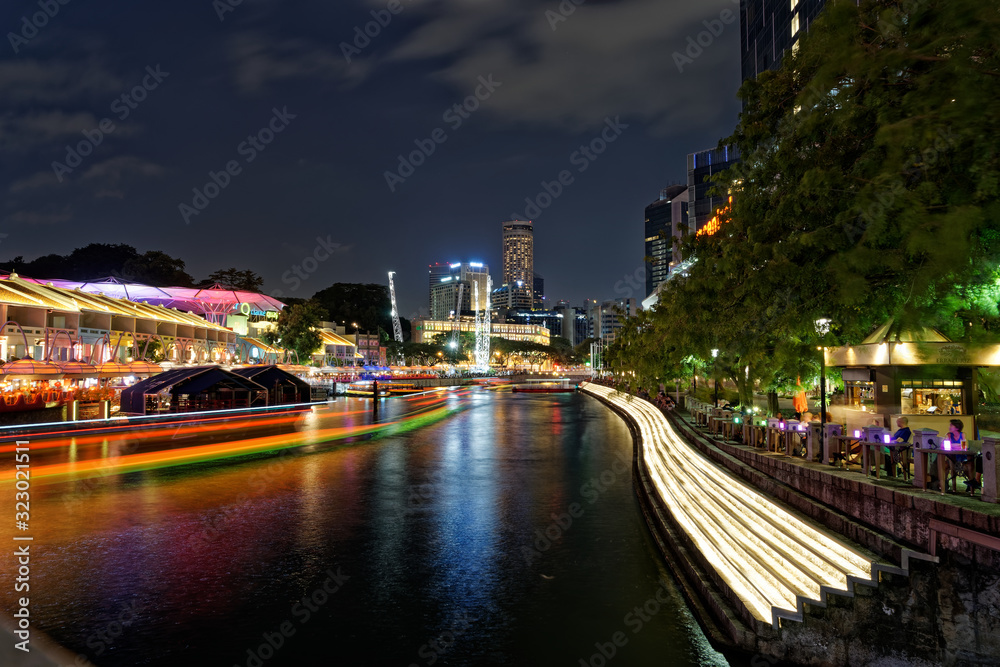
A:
x: 956, y: 437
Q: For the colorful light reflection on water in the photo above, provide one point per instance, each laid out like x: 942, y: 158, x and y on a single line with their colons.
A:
x: 211, y: 536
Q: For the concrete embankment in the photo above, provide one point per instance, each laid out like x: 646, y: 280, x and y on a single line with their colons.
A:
x: 913, y: 610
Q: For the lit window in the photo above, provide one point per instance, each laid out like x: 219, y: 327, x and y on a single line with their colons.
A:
x: 795, y: 3
x: 795, y: 24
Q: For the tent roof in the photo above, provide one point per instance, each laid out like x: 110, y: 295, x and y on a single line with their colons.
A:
x: 214, y: 299
x: 270, y: 375
x: 892, y: 332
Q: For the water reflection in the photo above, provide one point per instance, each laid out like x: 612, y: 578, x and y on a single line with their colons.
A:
x: 436, y: 523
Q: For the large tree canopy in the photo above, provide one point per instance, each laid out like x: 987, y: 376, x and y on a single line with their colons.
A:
x: 867, y: 189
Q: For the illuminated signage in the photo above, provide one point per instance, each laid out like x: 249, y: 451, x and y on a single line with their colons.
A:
x: 246, y: 309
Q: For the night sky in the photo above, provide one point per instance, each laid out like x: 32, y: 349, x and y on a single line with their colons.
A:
x: 549, y: 80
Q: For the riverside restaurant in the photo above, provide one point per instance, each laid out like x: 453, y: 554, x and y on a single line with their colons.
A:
x: 919, y: 374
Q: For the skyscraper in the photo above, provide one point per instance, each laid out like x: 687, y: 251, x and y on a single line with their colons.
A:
x: 769, y: 28
x: 661, y: 227
x: 444, y: 289
x: 518, y: 262
x: 702, y: 206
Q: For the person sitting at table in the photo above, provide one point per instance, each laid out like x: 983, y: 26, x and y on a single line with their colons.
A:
x: 902, y: 434
x: 956, y: 437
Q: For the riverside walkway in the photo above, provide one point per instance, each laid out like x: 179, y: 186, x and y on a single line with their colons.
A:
x: 772, y: 560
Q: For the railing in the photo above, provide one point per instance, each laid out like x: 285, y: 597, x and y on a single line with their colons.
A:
x: 938, y: 527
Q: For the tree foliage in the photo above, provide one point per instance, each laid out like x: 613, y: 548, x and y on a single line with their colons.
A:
x: 867, y: 190
x: 233, y: 278
x: 296, y: 330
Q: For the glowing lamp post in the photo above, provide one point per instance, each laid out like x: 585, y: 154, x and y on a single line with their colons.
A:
x: 822, y: 328
x: 715, y: 354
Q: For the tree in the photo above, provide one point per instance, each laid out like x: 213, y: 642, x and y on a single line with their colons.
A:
x: 156, y: 268
x: 867, y: 189
x: 296, y: 330
x: 367, y: 304
x: 102, y: 260
x: 233, y: 278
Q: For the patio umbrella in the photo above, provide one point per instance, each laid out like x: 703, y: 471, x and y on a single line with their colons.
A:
x: 113, y: 369
x: 140, y: 367
x: 77, y: 369
x: 799, y: 402
x: 29, y: 369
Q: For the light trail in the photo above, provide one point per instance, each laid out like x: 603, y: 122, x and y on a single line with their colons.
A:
x: 770, y: 558
x: 202, y: 453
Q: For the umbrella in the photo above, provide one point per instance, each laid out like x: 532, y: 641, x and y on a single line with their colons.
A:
x: 799, y: 402
x: 77, y: 369
x: 140, y: 367
x: 30, y: 369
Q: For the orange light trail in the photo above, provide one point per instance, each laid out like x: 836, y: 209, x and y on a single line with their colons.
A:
x: 199, y: 453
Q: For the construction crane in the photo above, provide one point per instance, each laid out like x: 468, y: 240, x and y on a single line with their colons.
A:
x: 397, y: 330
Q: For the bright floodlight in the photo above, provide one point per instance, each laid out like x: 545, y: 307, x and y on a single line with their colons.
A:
x: 823, y: 326
x: 715, y: 353
x: 452, y: 345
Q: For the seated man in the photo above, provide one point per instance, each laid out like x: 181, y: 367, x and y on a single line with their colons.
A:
x: 902, y: 434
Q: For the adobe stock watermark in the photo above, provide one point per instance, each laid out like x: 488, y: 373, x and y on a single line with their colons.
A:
x: 944, y: 142
x: 581, y: 158
x: 697, y: 44
x: 308, y: 265
x: 302, y: 611
x: 37, y: 21
x: 635, y: 620
x: 591, y: 491
x: 122, y: 107
x: 223, y: 7
x: 562, y: 12
x: 363, y: 36
x: 454, y: 116
x: 105, y: 638
x: 248, y: 149
x: 632, y: 283
x: 439, y: 645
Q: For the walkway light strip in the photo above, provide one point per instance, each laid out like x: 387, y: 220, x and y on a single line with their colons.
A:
x: 766, y: 555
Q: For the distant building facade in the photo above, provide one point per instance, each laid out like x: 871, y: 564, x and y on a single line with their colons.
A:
x: 470, y: 276
x: 703, y: 165
x: 769, y: 29
x: 605, y: 320
x: 518, y: 263
x: 423, y: 330
x: 664, y: 221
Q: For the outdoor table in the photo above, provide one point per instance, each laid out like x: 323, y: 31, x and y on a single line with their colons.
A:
x: 775, y: 438
x: 843, y: 451
x: 951, y: 453
x: 789, y: 440
x: 866, y: 458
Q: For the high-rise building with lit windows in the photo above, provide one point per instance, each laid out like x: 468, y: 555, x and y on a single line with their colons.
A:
x: 769, y: 28
x: 519, y: 263
x: 665, y: 218
x: 448, y: 280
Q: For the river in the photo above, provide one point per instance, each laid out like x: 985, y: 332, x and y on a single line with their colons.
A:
x: 472, y: 527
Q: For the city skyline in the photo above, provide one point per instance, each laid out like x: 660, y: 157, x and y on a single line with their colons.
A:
x: 201, y: 113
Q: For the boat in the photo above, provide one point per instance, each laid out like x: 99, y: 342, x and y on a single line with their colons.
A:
x: 364, y: 389
x: 401, y: 389
x: 553, y: 386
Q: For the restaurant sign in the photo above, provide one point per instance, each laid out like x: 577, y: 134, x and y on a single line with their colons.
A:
x: 248, y: 310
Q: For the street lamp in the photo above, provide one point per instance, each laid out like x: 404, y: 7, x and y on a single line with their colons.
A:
x: 715, y: 354
x: 822, y: 328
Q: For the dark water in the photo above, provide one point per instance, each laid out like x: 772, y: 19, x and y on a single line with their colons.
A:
x: 505, y: 533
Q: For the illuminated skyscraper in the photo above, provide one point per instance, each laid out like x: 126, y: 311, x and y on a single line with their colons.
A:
x: 519, y: 263
x: 769, y: 28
